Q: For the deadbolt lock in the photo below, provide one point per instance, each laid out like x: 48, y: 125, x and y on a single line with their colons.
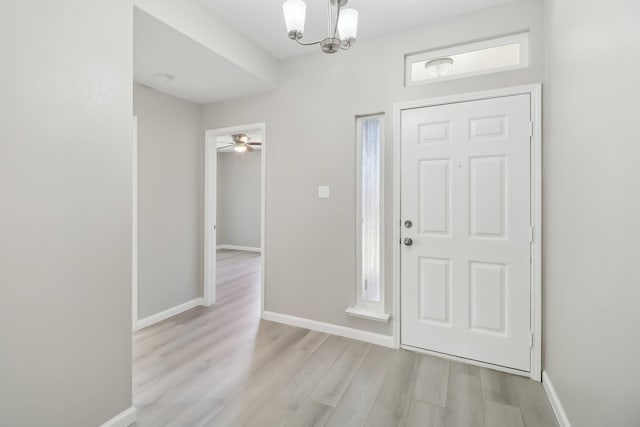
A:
x: 408, y: 224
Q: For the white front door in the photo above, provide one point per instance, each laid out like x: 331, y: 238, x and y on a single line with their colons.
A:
x: 465, y: 258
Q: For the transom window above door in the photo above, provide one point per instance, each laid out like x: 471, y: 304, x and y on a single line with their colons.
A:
x: 483, y: 57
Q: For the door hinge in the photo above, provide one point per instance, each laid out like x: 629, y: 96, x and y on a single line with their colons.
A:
x: 530, y: 339
x: 530, y: 234
x: 530, y: 129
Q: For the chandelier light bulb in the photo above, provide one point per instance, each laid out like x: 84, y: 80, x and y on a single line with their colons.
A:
x: 348, y: 24
x: 294, y: 15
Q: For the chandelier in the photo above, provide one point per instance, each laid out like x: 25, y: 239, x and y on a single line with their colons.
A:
x: 342, y: 25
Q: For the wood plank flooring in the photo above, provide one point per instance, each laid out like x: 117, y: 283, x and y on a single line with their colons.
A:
x: 222, y: 366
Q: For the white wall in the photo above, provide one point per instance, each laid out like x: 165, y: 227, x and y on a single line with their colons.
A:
x: 65, y: 212
x: 239, y: 199
x: 310, y: 259
x: 591, y: 210
x: 170, y: 200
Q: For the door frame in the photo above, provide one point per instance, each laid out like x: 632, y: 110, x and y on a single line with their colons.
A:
x: 210, y: 199
x: 134, y: 227
x: 535, y: 91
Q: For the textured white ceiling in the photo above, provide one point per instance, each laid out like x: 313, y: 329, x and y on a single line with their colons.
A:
x: 262, y: 20
x: 201, y: 75
x: 221, y: 49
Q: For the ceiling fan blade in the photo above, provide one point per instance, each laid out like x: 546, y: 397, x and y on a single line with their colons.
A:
x: 254, y: 143
x: 225, y: 146
x: 250, y: 148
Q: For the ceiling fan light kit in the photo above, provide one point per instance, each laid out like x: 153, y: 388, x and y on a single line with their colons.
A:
x: 341, y: 31
x: 241, y: 143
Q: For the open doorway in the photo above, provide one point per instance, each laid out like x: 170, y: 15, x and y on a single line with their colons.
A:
x: 234, y: 210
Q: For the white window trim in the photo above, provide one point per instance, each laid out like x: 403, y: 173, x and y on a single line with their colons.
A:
x: 368, y: 313
x: 521, y: 38
x: 368, y: 309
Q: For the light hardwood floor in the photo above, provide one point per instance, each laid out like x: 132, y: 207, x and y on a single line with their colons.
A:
x: 222, y: 366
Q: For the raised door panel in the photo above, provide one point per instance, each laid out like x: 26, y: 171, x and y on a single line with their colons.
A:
x: 487, y: 199
x: 488, y: 297
x: 434, y: 194
x: 434, y: 290
x: 437, y: 132
x: 488, y: 128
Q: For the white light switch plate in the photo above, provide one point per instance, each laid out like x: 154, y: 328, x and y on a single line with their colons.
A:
x: 324, y: 192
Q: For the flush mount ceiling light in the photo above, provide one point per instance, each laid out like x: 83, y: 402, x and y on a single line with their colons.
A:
x: 439, y: 67
x: 163, y: 78
x: 341, y: 32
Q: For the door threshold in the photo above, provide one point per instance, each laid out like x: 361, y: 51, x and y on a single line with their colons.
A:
x: 468, y: 361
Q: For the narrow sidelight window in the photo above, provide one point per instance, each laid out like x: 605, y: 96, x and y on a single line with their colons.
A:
x: 369, y: 211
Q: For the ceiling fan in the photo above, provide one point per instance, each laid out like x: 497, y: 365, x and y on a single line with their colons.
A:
x: 241, y: 143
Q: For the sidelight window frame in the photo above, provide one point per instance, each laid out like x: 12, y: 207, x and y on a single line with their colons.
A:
x: 369, y: 303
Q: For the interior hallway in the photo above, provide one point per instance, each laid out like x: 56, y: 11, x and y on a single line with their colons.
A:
x: 222, y: 366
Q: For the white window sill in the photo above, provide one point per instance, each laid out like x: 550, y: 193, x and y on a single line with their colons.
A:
x: 367, y: 313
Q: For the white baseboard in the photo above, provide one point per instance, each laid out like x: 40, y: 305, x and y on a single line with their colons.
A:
x: 123, y: 419
x: 343, y: 331
x: 173, y: 311
x: 239, y: 248
x: 561, y: 416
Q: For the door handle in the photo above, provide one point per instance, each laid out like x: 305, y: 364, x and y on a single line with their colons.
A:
x: 408, y: 241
